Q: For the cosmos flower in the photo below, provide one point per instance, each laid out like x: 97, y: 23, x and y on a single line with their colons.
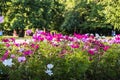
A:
x: 8, y: 62
x: 50, y: 66
x: 49, y: 72
x: 21, y: 59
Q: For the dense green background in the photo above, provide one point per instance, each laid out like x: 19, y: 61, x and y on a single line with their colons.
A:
x: 66, y: 16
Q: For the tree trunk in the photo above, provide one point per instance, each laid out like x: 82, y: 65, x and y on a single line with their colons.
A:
x: 21, y: 33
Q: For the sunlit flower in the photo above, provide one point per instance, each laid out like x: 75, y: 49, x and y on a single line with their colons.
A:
x: 8, y: 62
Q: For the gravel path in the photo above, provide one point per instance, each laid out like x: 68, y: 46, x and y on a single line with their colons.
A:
x: 23, y: 40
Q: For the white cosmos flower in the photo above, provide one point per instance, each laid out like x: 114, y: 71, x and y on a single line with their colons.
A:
x: 50, y: 66
x: 49, y: 72
x: 8, y: 62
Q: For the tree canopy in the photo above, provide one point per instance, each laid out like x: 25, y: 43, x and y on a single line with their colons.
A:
x: 67, y: 16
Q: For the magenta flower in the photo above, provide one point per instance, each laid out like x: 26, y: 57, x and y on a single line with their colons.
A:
x: 66, y: 37
x: 17, y: 44
x: 12, y: 39
x: 49, y: 38
x: 116, y: 39
x: 1, y: 19
x: 74, y: 46
x: 106, y: 48
x: 37, y: 38
x: 35, y: 46
x: 58, y: 37
x: 21, y: 59
x: 5, y: 40
x: 7, y: 45
x: 92, y: 51
x: 5, y: 55
x: 41, y: 32
x: 28, y: 52
x: 78, y: 36
x: 70, y: 38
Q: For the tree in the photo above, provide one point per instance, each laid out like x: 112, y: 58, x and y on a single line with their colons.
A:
x: 85, y: 17
x: 25, y: 14
x: 111, y: 12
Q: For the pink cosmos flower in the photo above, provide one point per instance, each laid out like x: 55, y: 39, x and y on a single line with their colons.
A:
x: 7, y: 45
x: 37, y: 38
x: 35, y: 46
x: 5, y: 55
x: 17, y: 44
x: 75, y: 46
x: 116, y: 39
x: 12, y: 39
x: 49, y: 38
x: 21, y: 59
x: 92, y: 51
x: 5, y: 40
x: 28, y: 52
x: 12, y: 56
x: 41, y: 32
x: 78, y: 36
x: 106, y: 48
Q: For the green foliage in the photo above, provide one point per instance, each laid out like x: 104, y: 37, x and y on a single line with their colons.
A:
x: 68, y: 63
x: 24, y: 14
x: 107, y: 67
x: 67, y: 16
x: 85, y: 15
x: 65, y: 66
x: 111, y: 12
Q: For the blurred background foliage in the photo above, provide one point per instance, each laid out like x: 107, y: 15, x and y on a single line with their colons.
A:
x: 66, y: 16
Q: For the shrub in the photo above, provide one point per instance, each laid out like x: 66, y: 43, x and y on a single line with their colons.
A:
x: 54, y: 57
x: 107, y: 68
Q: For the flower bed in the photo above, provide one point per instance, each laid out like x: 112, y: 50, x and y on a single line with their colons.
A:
x: 60, y: 57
